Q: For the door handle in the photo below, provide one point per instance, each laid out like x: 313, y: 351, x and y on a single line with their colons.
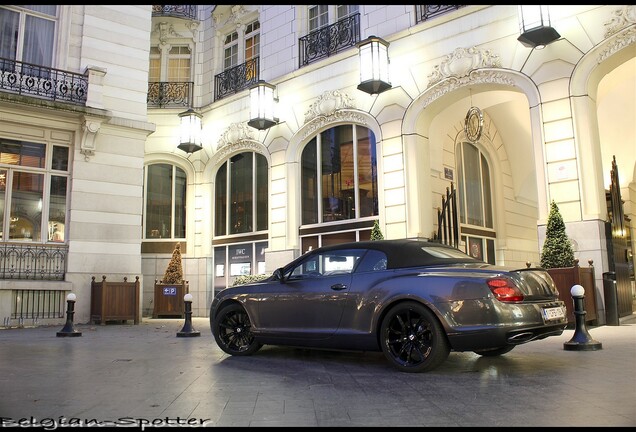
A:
x: 338, y: 287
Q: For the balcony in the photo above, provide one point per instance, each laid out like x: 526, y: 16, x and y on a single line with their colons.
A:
x: 42, y: 82
x: 329, y: 40
x: 170, y: 94
x: 426, y: 12
x: 176, y: 11
x: 235, y: 79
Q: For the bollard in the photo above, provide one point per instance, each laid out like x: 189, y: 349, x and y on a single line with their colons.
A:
x: 188, y: 330
x: 581, y: 340
x: 68, y: 329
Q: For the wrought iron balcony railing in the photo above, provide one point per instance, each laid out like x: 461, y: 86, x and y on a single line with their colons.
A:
x: 44, y: 82
x: 32, y: 261
x: 178, y: 11
x: 235, y: 79
x: 170, y: 94
x: 426, y: 12
x: 329, y: 40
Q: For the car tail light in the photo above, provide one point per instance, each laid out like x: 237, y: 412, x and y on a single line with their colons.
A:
x: 504, y: 290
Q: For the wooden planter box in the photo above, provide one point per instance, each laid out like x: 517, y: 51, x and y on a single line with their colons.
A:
x: 168, y: 301
x: 565, y: 278
x: 114, y: 301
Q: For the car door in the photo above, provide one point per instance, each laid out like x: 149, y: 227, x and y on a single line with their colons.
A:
x: 309, y: 303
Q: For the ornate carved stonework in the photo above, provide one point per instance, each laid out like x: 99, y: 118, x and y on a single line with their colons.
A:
x: 338, y: 116
x: 165, y: 30
x: 235, y: 133
x: 327, y: 104
x: 475, y: 77
x: 623, y: 18
x: 461, y: 62
x: 89, y: 133
x: 238, y: 136
x: 621, y: 41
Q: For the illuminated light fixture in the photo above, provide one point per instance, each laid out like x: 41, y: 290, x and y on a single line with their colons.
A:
x: 374, y: 65
x: 190, y: 132
x: 534, y: 22
x: 262, y: 102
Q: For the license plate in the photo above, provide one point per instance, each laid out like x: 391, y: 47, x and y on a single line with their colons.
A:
x: 554, y: 313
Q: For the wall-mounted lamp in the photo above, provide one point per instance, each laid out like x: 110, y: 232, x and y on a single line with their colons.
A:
x: 534, y: 22
x: 190, y: 132
x: 262, y: 106
x: 374, y: 65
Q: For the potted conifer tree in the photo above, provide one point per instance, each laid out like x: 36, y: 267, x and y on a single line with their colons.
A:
x: 557, y: 257
x: 376, y: 232
x: 169, y: 291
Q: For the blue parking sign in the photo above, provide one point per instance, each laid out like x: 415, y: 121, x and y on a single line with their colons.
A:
x: 170, y: 291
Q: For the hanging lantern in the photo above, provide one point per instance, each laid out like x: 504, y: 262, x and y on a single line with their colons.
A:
x: 374, y: 65
x: 190, y: 132
x: 262, y: 102
x: 534, y: 22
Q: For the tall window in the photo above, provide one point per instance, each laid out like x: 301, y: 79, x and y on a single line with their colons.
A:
x: 27, y: 33
x: 241, y: 195
x: 252, y: 40
x: 339, y: 175
x: 172, y: 65
x: 33, y: 191
x: 475, y: 203
x: 165, y: 191
x: 230, y: 52
x: 320, y: 16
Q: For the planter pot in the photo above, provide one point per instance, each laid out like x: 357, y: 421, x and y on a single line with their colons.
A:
x: 168, y: 300
x: 565, y: 278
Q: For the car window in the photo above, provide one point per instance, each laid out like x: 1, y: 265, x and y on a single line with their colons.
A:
x: 374, y: 260
x: 321, y: 264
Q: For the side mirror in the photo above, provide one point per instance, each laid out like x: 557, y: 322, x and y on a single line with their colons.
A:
x: 278, y: 275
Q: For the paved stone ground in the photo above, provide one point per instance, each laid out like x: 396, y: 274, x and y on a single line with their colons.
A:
x: 144, y: 375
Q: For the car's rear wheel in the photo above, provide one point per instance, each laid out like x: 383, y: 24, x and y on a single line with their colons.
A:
x: 232, y: 331
x: 495, y: 351
x: 412, y: 339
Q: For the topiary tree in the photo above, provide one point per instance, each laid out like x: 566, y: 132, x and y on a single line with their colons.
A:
x: 557, y: 249
x: 376, y: 232
x: 174, y: 271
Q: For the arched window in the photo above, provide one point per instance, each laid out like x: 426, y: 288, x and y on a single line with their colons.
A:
x: 165, y: 191
x: 241, y: 195
x: 475, y: 203
x: 339, y: 178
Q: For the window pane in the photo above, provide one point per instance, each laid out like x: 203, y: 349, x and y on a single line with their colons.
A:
x: 309, y: 184
x: 179, y: 64
x: 472, y: 185
x: 159, y: 201
x: 220, y: 207
x: 26, y: 206
x: 367, y: 172
x: 38, y: 41
x: 332, y: 202
x: 9, y: 22
x: 180, y: 203
x: 241, y: 193
x: 3, y: 188
x: 261, y: 193
x: 22, y: 153
x: 60, y: 158
x: 57, y: 208
x: 485, y: 175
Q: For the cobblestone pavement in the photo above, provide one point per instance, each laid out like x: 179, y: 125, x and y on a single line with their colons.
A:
x: 144, y: 375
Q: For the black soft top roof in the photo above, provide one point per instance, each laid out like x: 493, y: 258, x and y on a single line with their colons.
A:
x: 404, y: 253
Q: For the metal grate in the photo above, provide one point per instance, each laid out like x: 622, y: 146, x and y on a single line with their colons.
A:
x: 38, y: 304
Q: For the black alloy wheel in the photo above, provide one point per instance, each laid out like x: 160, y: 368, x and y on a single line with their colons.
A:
x: 232, y: 331
x: 412, y: 339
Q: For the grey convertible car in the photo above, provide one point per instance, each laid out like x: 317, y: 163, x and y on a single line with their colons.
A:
x: 413, y: 300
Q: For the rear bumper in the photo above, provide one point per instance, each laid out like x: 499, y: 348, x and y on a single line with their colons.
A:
x: 469, y: 340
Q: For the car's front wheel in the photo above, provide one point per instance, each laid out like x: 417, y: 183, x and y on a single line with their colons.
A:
x: 232, y: 331
x: 412, y: 339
